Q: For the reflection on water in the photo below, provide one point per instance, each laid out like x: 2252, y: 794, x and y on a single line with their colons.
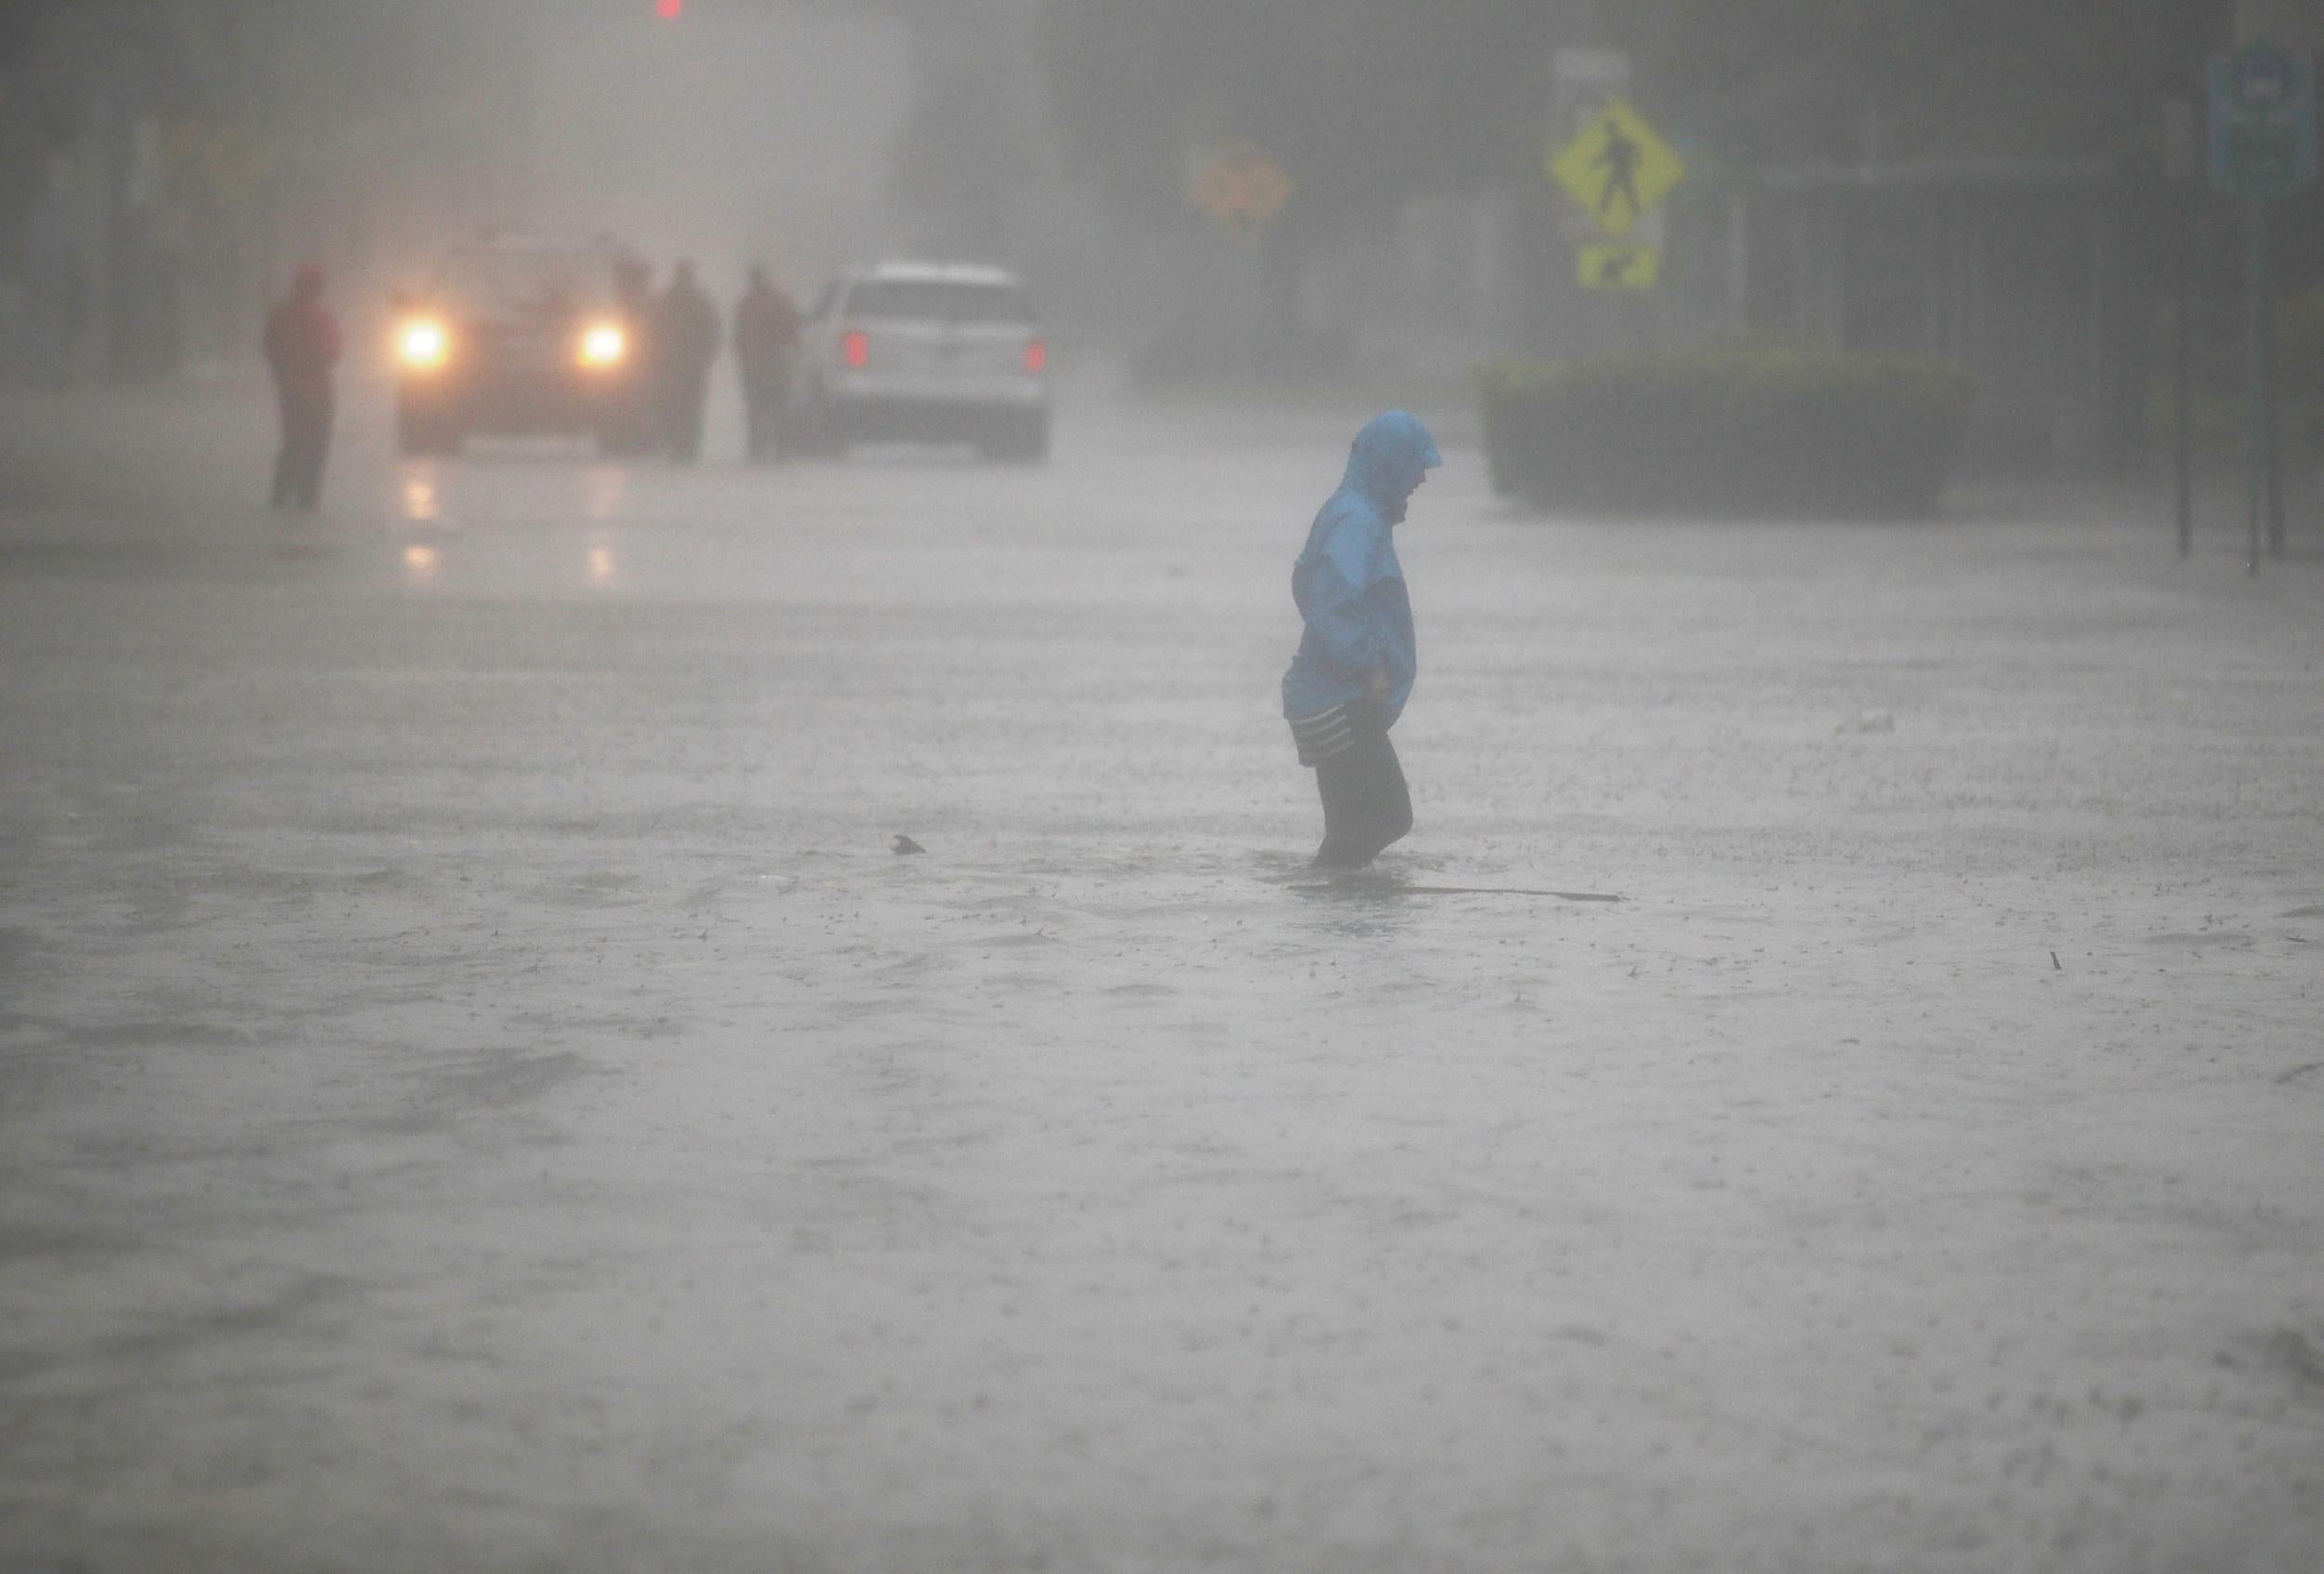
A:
x: 602, y: 566
x: 420, y: 562
x: 1372, y: 900
x: 423, y: 503
x: 604, y: 488
x: 1356, y: 902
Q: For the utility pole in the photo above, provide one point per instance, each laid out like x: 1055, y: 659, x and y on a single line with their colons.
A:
x: 2185, y: 34
x: 2263, y: 149
x: 2178, y: 168
x: 2293, y: 30
x: 114, y: 298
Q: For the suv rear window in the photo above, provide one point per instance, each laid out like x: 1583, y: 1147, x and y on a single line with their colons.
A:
x: 943, y: 300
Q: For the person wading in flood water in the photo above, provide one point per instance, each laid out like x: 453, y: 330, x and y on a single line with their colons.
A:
x: 1358, y: 656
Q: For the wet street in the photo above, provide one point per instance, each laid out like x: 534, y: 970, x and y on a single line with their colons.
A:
x: 477, y: 1092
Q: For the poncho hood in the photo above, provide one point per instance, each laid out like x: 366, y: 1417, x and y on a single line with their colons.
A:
x: 1388, y: 459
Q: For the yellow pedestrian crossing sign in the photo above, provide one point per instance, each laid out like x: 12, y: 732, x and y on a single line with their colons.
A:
x: 1615, y: 265
x: 1617, y: 168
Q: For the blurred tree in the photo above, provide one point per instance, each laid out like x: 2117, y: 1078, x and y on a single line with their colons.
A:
x: 1365, y: 102
x: 1368, y: 102
x: 956, y: 159
x: 1882, y: 80
x: 20, y: 27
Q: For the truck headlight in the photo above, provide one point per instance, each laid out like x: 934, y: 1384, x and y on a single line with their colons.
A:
x: 423, y: 345
x: 604, y: 344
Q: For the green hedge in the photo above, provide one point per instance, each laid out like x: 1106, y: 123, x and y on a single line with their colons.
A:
x: 1731, y: 431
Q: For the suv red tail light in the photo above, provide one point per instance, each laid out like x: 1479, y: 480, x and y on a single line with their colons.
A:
x: 855, y: 348
x: 1036, y: 355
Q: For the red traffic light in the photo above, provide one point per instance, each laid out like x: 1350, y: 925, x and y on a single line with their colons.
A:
x: 670, y: 11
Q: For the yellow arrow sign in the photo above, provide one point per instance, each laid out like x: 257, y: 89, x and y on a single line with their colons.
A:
x: 1616, y: 266
x: 1617, y: 168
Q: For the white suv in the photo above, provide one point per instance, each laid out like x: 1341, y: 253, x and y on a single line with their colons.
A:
x: 926, y: 352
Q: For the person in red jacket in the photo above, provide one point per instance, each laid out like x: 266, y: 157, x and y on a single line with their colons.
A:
x: 302, y: 347
x: 766, y: 347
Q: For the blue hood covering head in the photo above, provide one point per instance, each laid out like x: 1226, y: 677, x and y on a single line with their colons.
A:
x: 1389, y: 457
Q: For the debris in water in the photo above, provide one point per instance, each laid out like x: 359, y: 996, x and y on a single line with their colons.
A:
x: 2290, y: 1350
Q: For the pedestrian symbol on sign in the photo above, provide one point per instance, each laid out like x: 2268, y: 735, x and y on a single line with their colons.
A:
x: 1618, y: 158
x: 1617, y: 168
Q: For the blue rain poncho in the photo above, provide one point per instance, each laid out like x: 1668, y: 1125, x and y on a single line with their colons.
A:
x: 1348, y: 583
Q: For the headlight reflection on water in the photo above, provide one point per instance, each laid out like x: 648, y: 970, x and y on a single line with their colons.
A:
x: 603, y: 488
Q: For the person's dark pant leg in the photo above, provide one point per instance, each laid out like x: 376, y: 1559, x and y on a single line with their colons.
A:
x: 669, y: 410
x: 314, y: 452
x: 762, y: 408
x: 754, y: 422
x: 1367, y: 805
x: 306, y: 444
x: 286, y: 454
x: 685, y: 428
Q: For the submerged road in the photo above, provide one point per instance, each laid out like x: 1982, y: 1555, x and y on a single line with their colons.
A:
x: 477, y: 1092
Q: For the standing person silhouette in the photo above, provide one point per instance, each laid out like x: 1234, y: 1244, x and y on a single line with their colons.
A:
x: 1358, y: 656
x: 766, y: 345
x: 302, y: 346
x: 1619, y: 159
x: 685, y: 341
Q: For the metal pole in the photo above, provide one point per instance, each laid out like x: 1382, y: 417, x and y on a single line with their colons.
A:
x: 2182, y: 369
x: 108, y: 298
x: 2271, y: 449
x: 2255, y: 391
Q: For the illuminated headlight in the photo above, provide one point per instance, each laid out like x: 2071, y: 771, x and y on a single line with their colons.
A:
x: 603, y: 345
x: 423, y: 345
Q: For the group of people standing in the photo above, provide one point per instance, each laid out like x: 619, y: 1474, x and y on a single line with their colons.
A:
x: 675, y: 336
x: 678, y: 338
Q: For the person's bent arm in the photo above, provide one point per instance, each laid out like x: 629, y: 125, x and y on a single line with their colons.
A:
x: 1337, y: 615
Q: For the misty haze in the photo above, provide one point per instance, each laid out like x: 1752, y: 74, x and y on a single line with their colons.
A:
x: 1297, y: 786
